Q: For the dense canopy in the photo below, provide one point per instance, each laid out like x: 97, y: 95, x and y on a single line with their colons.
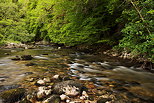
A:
x: 123, y: 24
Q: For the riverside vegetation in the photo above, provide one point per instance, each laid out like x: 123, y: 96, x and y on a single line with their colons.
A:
x: 125, y: 25
x: 47, y: 74
x: 81, y: 62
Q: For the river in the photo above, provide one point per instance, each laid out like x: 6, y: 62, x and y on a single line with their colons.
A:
x: 122, y: 76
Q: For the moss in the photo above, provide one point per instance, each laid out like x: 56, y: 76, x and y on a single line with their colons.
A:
x: 13, y: 95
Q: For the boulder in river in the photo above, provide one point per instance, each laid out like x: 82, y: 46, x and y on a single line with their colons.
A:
x: 8, y: 87
x: 43, y: 92
x: 70, y: 88
x: 23, y: 57
x: 12, y: 95
x: 26, y: 57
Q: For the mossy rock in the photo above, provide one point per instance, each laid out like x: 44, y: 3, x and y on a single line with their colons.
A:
x: 25, y: 101
x: 103, y: 100
x: 53, y: 99
x: 59, y: 87
x: 12, y: 95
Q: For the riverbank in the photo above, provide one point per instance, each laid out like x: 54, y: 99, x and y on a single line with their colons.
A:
x: 96, y: 49
x: 103, y: 79
x: 101, y: 49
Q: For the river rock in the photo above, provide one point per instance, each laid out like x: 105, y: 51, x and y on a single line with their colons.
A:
x: 8, y: 87
x: 84, y: 95
x: 30, y: 64
x: 26, y: 57
x: 65, y: 78
x: 16, y: 58
x: 67, y: 101
x: 40, y: 82
x: 30, y: 79
x: 56, y: 77
x: 28, y: 73
x: 52, y: 99
x: 63, y: 97
x: 2, y: 79
x: 103, y: 100
x: 43, y: 92
x: 13, y: 95
x: 47, y: 80
x: 70, y: 88
x: 32, y: 97
x: 24, y: 101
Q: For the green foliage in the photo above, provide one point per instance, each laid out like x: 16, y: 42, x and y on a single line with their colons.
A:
x: 138, y: 31
x: 126, y: 23
x: 82, y: 21
x: 12, y: 23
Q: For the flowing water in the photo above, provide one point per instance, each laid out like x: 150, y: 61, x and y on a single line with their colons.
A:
x: 121, y: 75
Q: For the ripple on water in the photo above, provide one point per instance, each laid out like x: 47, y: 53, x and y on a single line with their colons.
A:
x: 86, y: 70
x: 10, y: 70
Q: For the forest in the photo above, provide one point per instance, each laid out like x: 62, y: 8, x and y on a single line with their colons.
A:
x: 125, y: 25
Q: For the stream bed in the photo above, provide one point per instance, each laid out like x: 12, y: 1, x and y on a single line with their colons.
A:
x: 102, y: 74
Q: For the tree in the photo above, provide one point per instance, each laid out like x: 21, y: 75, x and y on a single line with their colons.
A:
x: 12, y: 23
x: 138, y: 31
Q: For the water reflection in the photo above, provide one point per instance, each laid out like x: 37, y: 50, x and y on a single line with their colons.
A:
x: 103, y: 71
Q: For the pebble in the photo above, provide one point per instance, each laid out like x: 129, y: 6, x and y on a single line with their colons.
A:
x: 56, y: 76
x: 42, y: 88
x: 43, y: 93
x: 48, y: 92
x: 82, y: 97
x: 41, y: 82
x: 84, y: 93
x: 31, y: 79
x: 67, y: 101
x: 63, y: 97
x: 71, y: 90
x: 47, y: 80
x: 40, y: 94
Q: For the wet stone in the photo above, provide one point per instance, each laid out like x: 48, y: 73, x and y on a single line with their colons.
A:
x: 133, y: 83
x: 13, y: 95
x: 8, y: 87
x: 6, y: 53
x: 63, y: 97
x: 69, y: 87
x: 52, y: 99
x: 26, y: 57
x: 2, y: 79
x: 103, y: 100
x: 40, y: 82
x: 25, y: 101
x: 28, y: 73
x: 57, y: 78
x: 32, y: 97
x: 44, y: 54
x: 30, y: 79
x: 121, y: 90
x: 66, y: 78
x: 16, y: 58
x: 30, y: 64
